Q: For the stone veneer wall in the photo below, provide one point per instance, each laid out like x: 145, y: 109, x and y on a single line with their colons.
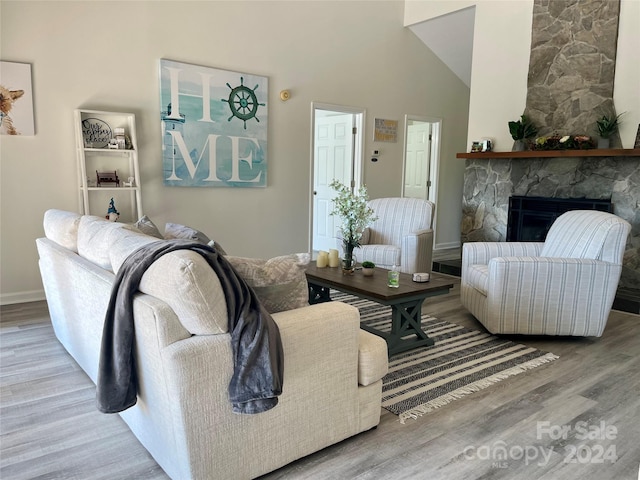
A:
x: 488, y: 184
x: 572, y: 65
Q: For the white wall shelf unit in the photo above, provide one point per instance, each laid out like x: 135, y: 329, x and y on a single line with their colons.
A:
x: 96, y: 132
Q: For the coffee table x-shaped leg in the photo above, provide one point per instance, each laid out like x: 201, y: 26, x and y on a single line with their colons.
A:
x: 406, y: 330
x: 406, y: 316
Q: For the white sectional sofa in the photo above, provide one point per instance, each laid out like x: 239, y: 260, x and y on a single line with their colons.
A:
x: 332, y: 370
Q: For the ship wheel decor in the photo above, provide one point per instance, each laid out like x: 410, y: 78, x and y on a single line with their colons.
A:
x: 243, y: 102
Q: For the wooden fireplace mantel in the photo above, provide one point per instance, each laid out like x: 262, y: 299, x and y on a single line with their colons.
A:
x: 596, y: 152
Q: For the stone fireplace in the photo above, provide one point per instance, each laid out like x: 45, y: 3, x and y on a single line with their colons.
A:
x: 570, y: 85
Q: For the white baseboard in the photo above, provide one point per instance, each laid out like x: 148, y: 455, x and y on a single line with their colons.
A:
x: 447, y: 246
x: 22, y: 297
x: 447, y: 251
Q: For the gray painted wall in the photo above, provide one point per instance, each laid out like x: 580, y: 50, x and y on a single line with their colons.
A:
x: 104, y: 55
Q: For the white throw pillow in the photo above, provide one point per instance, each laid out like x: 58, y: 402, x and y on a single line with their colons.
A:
x: 62, y: 227
x: 124, y: 242
x: 185, y: 281
x: 94, y: 239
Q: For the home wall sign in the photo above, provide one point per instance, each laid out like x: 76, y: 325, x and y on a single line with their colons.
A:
x: 214, y: 126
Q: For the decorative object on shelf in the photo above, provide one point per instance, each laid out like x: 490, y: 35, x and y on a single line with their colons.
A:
x: 484, y: 145
x: 520, y: 131
x: 476, y: 147
x: 129, y: 183
x: 96, y: 133
x: 393, y: 277
x: 356, y: 215
x: 120, y: 138
x: 368, y: 268
x: 566, y: 142
x: 112, y: 213
x: 334, y: 259
x: 107, y: 177
x: 323, y: 259
x: 216, y: 137
x: 607, y: 126
x: 637, y: 144
x: 16, y: 99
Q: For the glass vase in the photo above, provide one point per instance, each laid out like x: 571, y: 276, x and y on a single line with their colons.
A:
x: 349, y: 261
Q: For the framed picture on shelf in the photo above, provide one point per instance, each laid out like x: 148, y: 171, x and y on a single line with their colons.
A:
x: 637, y: 144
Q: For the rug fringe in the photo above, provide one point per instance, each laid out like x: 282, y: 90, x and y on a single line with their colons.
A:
x: 420, y: 410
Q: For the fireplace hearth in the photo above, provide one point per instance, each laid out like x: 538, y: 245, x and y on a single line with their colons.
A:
x: 530, y: 218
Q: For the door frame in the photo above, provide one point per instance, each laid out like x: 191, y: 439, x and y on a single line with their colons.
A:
x: 358, y: 152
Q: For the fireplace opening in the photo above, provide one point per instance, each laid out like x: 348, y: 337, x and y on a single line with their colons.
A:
x: 529, y: 218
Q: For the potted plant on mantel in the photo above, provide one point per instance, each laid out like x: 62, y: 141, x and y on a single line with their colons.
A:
x: 520, y: 131
x: 607, y: 126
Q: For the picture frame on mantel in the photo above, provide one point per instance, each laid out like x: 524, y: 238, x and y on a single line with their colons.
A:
x: 637, y: 144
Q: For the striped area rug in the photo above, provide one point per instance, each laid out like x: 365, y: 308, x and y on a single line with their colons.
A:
x: 461, y: 362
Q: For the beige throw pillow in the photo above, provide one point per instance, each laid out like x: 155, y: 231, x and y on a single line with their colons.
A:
x: 280, y: 282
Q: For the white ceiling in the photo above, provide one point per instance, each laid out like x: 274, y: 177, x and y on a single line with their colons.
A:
x: 450, y: 37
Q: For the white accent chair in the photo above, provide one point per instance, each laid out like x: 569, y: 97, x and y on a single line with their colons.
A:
x: 562, y: 286
x: 402, y: 235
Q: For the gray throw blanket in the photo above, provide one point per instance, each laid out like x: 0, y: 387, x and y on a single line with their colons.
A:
x: 255, y: 338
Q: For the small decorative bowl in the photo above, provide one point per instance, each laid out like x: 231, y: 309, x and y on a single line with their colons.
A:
x: 368, y: 272
x: 421, y: 277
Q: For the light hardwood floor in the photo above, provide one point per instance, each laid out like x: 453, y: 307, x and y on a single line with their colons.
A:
x: 50, y: 428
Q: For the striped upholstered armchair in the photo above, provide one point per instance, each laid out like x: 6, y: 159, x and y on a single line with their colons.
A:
x: 402, y: 235
x: 564, y: 286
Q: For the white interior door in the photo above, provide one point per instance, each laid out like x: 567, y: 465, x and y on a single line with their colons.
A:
x: 417, y: 160
x: 421, y: 157
x: 337, y: 144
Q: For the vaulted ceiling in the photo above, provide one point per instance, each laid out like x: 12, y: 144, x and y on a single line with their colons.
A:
x: 450, y: 37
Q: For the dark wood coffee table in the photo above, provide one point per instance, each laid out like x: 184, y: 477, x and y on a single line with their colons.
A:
x: 405, y: 301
